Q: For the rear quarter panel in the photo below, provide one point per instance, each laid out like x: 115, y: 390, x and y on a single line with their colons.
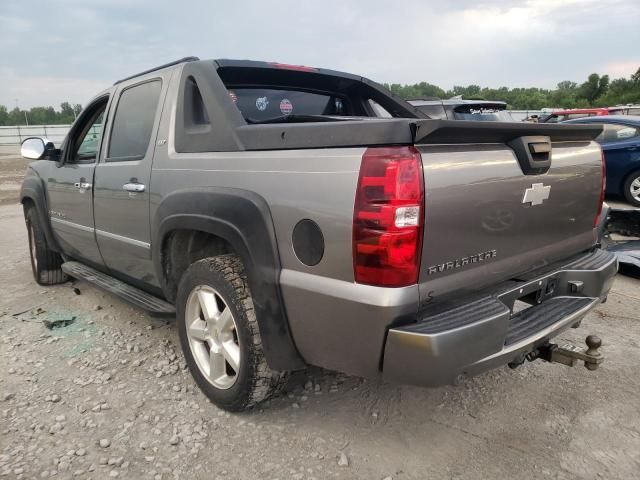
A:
x: 620, y: 163
x: 334, y: 322
x: 296, y: 184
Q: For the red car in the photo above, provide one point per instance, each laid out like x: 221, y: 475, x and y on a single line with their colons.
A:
x: 562, y: 115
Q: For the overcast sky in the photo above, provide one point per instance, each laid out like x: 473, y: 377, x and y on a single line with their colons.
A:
x: 52, y: 51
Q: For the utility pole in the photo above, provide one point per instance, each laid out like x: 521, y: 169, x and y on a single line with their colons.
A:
x: 26, y: 119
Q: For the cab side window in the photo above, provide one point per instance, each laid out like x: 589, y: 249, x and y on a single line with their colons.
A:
x: 133, y: 121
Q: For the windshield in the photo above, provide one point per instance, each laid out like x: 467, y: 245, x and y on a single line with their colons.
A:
x: 259, y: 104
x: 479, y: 113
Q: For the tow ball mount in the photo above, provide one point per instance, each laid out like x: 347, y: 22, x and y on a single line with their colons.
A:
x: 569, y: 355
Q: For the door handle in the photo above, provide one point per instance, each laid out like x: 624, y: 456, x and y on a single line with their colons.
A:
x: 133, y: 187
x: 83, y: 185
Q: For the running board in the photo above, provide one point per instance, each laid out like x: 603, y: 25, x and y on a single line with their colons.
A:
x: 133, y: 295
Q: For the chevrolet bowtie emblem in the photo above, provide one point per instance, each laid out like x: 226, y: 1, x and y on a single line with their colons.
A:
x: 537, y: 194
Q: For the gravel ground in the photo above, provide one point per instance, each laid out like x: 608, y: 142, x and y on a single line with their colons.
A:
x: 11, y: 172
x: 108, y: 396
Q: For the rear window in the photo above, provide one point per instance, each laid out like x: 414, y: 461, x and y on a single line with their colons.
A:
x: 435, y: 111
x: 259, y: 104
x: 617, y: 133
x: 483, y: 114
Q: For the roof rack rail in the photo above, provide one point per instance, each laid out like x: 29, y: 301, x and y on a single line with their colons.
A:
x: 170, y: 64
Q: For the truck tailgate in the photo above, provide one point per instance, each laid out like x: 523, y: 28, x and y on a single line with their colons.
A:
x: 486, y: 221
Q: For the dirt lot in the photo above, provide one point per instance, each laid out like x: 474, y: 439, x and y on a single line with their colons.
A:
x: 11, y: 172
x: 108, y: 396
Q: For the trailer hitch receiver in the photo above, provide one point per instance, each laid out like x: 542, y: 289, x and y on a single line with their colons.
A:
x: 568, y: 354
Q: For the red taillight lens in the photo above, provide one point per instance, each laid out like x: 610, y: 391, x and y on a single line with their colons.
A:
x: 388, y: 217
x: 299, y: 68
x: 596, y: 220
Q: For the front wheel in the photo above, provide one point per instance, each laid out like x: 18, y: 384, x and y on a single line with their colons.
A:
x: 632, y: 189
x: 219, y: 335
x: 46, y: 264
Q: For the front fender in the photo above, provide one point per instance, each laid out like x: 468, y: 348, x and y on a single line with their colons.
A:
x: 33, y: 189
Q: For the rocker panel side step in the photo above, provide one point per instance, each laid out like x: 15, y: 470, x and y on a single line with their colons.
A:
x: 133, y: 295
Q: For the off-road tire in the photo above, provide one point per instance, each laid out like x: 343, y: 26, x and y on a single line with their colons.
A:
x: 255, y: 381
x: 627, y: 188
x: 45, y: 263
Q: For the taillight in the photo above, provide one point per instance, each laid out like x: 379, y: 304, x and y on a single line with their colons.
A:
x: 299, y: 68
x: 388, y: 217
x: 596, y: 220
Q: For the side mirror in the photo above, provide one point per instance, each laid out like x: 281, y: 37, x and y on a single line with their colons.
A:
x: 36, y: 148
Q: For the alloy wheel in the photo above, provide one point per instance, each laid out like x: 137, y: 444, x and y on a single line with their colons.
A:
x: 213, y: 336
x: 634, y: 189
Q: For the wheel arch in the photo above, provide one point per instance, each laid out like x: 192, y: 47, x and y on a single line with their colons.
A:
x: 33, y: 192
x: 243, y: 220
x: 633, y: 169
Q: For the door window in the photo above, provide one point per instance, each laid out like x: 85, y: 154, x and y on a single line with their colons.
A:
x: 133, y: 121
x: 86, y: 142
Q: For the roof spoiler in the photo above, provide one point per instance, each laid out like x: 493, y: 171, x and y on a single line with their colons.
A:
x: 456, y: 131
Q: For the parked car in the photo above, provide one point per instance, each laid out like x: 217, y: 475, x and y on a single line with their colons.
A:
x: 620, y: 140
x: 284, y: 223
x: 562, y: 115
x: 457, y: 108
x: 624, y: 110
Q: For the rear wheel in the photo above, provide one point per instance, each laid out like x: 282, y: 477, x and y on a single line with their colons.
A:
x: 632, y: 189
x: 219, y: 335
x: 45, y: 263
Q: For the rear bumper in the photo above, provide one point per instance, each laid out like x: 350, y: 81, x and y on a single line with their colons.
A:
x: 484, y: 333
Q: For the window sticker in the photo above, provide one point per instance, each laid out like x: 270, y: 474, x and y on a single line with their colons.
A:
x: 286, y: 107
x: 262, y: 103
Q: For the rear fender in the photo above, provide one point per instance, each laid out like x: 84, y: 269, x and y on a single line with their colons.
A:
x: 243, y: 219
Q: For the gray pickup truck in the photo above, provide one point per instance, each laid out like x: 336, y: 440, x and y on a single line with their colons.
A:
x: 291, y: 216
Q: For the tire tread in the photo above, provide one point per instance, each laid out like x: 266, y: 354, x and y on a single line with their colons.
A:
x: 262, y: 381
x: 49, y: 270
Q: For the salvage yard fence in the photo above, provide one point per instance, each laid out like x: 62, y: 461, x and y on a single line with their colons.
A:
x: 15, y: 135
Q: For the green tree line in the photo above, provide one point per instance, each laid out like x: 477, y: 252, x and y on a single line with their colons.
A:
x: 596, y: 91
x: 40, y: 115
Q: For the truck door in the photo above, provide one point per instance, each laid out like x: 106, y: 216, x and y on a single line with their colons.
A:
x: 121, y: 194
x: 70, y: 185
